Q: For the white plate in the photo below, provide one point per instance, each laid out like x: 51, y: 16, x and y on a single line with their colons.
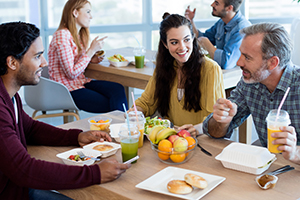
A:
x: 132, y: 60
x: 88, y: 152
x: 104, y: 153
x: 159, y: 181
x: 114, y: 131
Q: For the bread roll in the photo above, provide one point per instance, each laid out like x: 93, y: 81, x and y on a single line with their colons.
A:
x: 195, y: 180
x: 103, y: 147
x: 179, y: 187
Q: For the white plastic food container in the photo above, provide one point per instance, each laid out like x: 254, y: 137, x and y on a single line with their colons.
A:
x: 88, y: 152
x: 104, y: 153
x: 119, y: 64
x: 246, y: 158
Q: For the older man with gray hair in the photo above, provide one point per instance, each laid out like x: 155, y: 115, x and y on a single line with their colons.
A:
x: 267, y: 73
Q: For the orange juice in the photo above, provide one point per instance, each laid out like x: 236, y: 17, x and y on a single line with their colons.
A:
x: 275, y: 120
x: 139, y: 120
x: 141, y: 138
x: 272, y: 147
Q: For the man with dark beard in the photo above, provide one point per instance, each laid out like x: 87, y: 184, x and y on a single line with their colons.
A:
x: 21, y: 176
x: 222, y: 40
x: 267, y: 74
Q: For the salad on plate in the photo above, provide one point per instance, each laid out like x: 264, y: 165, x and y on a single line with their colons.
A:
x: 151, y: 122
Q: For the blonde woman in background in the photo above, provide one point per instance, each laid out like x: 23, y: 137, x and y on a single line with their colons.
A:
x: 69, y: 55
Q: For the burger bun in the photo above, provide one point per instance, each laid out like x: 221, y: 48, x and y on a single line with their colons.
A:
x: 195, y: 180
x: 179, y: 187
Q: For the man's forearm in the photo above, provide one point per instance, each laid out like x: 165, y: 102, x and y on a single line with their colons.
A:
x: 216, y: 129
x: 195, y: 30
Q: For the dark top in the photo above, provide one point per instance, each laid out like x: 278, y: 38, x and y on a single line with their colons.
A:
x: 18, y: 171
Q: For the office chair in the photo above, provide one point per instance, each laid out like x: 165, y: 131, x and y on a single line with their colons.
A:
x: 50, y: 95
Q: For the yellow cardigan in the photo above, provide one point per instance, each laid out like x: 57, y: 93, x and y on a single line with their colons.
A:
x: 212, y: 88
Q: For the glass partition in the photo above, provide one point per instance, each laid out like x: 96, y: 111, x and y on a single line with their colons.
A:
x: 273, y: 8
x: 203, y: 8
x: 104, y: 12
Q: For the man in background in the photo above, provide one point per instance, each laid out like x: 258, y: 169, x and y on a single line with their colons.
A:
x: 222, y: 40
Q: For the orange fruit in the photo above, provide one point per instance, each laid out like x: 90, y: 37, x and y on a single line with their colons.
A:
x: 191, y: 142
x: 177, y: 158
x: 166, y: 147
x: 93, y: 121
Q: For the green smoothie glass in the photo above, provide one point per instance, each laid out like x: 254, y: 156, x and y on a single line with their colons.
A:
x: 139, y: 57
x: 129, y: 140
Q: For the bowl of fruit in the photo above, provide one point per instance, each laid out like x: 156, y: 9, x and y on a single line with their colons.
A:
x: 171, y: 147
x: 100, y: 123
x: 118, y: 60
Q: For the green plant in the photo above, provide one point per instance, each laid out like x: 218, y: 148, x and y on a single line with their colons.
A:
x: 297, y: 0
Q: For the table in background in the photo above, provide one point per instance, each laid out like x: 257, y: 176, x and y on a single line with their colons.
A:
x: 238, y: 185
x: 131, y: 76
x: 128, y: 76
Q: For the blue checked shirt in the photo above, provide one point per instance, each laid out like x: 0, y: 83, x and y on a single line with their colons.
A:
x: 255, y: 99
x: 227, y: 39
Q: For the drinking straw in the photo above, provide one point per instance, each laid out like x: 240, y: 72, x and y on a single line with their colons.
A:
x: 137, y: 41
x: 281, y: 103
x: 127, y: 118
x: 135, y: 110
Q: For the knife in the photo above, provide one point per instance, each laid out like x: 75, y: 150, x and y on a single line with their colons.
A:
x: 203, y: 150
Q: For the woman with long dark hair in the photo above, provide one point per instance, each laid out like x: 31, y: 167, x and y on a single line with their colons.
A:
x: 185, y: 84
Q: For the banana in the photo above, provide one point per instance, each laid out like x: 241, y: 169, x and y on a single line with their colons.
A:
x: 163, y: 134
x: 154, y: 131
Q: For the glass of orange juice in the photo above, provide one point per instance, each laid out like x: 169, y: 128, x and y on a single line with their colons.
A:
x: 273, y: 126
x: 139, y: 121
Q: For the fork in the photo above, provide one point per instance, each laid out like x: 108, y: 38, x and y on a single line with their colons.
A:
x: 281, y: 170
x: 81, y: 154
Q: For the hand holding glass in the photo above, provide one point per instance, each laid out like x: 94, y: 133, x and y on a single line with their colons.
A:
x: 273, y: 126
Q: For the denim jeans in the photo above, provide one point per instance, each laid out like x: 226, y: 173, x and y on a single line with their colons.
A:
x: 100, y: 97
x: 35, y: 194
